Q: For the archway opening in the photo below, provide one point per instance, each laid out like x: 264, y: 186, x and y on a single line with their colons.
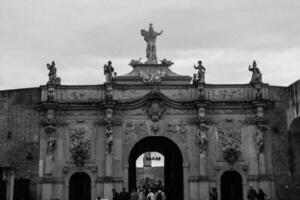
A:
x: 150, y: 170
x: 3, y: 185
x: 231, y: 186
x: 172, y: 179
x: 80, y: 186
x: 21, y: 189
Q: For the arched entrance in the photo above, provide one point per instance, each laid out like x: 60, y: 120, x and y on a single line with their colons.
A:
x: 231, y: 186
x: 173, y: 170
x: 3, y: 185
x: 80, y: 186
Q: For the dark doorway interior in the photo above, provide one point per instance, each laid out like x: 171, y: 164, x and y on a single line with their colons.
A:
x: 80, y: 187
x: 2, y: 185
x: 231, y: 186
x: 22, y: 189
x: 173, y: 164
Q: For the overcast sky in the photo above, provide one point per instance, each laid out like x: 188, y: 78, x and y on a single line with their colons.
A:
x: 81, y: 36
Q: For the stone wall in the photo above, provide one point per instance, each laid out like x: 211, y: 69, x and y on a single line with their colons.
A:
x: 19, y: 134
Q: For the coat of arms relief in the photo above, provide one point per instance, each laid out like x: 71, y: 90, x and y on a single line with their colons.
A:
x: 230, y: 139
x: 80, y: 144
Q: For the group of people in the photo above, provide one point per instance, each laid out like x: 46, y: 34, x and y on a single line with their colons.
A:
x: 141, y: 194
x: 254, y: 195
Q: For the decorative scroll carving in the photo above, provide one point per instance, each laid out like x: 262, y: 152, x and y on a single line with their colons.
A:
x: 166, y: 62
x: 50, y: 124
x: 134, y: 62
x: 80, y: 145
x: 152, y: 78
x: 53, y: 79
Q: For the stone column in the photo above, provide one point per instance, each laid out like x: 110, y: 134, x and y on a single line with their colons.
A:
x: 185, y: 181
x: 125, y: 176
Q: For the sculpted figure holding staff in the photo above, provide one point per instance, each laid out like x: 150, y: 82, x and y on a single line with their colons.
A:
x: 150, y: 38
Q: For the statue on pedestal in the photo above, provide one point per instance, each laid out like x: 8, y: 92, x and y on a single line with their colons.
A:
x: 201, y: 72
x: 256, y: 75
x: 150, y: 38
x: 53, y: 79
x: 108, y: 72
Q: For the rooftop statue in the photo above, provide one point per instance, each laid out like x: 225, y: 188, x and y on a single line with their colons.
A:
x: 150, y: 38
x: 256, y: 75
x: 108, y: 72
x: 53, y: 79
x: 201, y: 72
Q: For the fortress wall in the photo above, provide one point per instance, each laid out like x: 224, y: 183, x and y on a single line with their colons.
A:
x: 19, y: 134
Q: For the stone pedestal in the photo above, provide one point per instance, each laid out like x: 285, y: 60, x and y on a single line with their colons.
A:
x: 108, y: 165
x: 262, y: 163
x: 203, y: 170
x: 49, y: 165
x: 107, y: 190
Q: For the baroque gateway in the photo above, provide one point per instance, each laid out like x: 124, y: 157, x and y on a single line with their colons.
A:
x: 72, y: 142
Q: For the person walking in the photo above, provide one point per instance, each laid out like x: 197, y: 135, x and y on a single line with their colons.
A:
x: 151, y: 195
x: 252, y: 194
x: 141, y: 194
x: 160, y: 195
x: 115, y: 194
x: 124, y: 195
x: 133, y: 195
x: 261, y: 195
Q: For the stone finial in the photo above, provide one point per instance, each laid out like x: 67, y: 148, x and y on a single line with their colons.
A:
x: 150, y: 38
x: 53, y: 79
x: 256, y: 75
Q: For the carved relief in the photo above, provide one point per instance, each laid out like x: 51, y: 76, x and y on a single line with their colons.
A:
x: 135, y: 128
x: 138, y: 111
x: 229, y: 139
x: 202, y: 138
x: 109, y: 138
x: 108, y: 129
x: 180, y: 128
x: 225, y: 94
x: 152, y: 78
x: 155, y: 127
x: 259, y: 138
x: 134, y: 62
x: 172, y: 111
x: 80, y: 95
x: 80, y: 145
x: 155, y: 109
